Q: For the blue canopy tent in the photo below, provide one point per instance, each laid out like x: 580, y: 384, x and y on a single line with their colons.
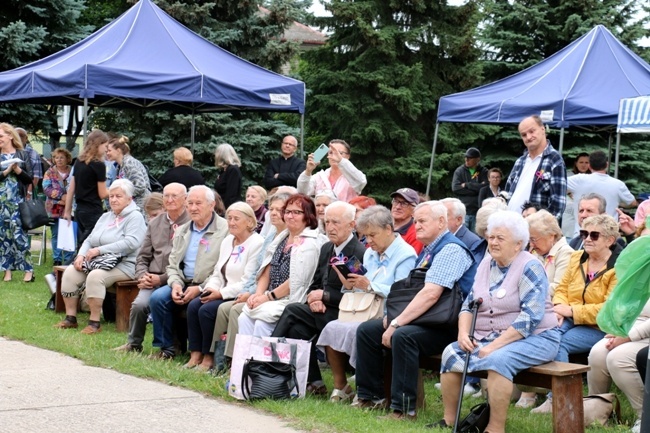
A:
x: 146, y: 59
x: 580, y: 85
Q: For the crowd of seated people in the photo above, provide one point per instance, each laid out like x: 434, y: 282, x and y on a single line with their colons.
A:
x: 264, y: 267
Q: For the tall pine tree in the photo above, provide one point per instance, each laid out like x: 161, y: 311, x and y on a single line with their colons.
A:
x: 377, y: 80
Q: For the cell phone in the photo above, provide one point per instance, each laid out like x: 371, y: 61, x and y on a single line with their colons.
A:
x: 321, y: 152
x: 204, y: 294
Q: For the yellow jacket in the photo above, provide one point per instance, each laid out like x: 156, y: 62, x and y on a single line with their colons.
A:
x: 586, y: 299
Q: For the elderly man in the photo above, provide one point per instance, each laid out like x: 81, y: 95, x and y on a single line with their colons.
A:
x: 539, y: 175
x: 151, y: 263
x: 615, y: 191
x: 194, y: 253
x: 402, y: 205
x: 468, y: 181
x: 449, y: 262
x: 182, y: 172
x: 285, y: 169
x: 455, y: 219
x: 305, y: 321
x: 595, y: 204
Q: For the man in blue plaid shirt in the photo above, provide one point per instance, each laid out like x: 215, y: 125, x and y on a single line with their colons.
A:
x: 539, y: 175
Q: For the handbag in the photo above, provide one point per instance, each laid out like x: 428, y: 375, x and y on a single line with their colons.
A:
x: 270, y: 379
x: 599, y: 408
x: 33, y: 214
x: 360, y: 307
x: 442, y: 313
x: 105, y: 262
x: 476, y: 420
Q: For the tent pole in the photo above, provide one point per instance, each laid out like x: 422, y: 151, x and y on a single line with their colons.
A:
x: 609, y: 153
x: 618, y: 148
x: 85, y: 126
x: 192, y: 132
x: 433, y: 152
x: 302, y: 135
x: 561, y: 140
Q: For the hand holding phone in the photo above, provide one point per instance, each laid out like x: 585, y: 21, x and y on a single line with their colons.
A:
x: 321, y: 152
x: 205, y: 293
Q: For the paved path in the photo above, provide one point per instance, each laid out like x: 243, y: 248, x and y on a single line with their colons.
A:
x: 34, y: 398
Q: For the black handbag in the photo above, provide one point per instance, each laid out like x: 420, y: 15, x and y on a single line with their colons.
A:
x: 33, y: 214
x: 270, y: 379
x: 476, y: 420
x: 442, y: 313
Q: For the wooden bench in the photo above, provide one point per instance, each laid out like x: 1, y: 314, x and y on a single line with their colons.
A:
x: 125, y: 293
x: 562, y: 378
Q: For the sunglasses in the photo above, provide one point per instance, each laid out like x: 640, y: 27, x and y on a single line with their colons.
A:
x: 584, y: 234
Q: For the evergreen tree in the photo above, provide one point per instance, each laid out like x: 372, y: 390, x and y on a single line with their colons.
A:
x: 33, y: 29
x: 242, y: 29
x: 377, y: 80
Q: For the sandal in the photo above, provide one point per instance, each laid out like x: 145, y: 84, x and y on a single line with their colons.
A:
x: 316, y: 390
x: 526, y: 402
x: 340, y: 396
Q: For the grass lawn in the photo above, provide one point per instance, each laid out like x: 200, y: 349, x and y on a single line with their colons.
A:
x: 23, y: 317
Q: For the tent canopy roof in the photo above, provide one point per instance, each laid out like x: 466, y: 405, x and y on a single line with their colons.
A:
x: 581, y: 84
x: 145, y: 58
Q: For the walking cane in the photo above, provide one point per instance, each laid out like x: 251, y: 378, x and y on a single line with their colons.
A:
x: 473, y: 306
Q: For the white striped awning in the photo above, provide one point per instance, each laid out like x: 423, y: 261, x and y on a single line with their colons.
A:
x: 634, y: 115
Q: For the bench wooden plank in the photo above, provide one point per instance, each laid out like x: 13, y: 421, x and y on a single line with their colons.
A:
x: 126, y: 292
x: 59, y: 306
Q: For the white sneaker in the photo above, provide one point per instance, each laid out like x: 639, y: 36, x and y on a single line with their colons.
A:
x: 470, y: 389
x: 637, y: 426
x: 438, y: 386
x: 546, y: 407
x: 51, y: 282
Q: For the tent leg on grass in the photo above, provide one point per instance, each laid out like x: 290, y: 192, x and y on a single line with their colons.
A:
x: 433, y: 153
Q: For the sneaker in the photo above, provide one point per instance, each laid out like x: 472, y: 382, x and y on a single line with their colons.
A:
x: 360, y: 403
x: 469, y: 389
x: 438, y: 386
x: 51, y: 282
x: 479, y: 394
x: 161, y: 354
x: 546, y: 407
x: 637, y: 426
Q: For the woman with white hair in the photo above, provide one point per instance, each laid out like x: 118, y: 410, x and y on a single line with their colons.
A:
x: 321, y: 201
x: 228, y: 184
x: 515, y: 328
x: 117, y: 237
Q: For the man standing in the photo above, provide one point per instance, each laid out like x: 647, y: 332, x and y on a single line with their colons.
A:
x: 153, y: 258
x: 304, y: 321
x: 195, y: 251
x: 613, y: 190
x: 448, y: 261
x: 402, y: 206
x: 455, y: 219
x: 467, y: 182
x: 539, y: 175
x: 285, y: 169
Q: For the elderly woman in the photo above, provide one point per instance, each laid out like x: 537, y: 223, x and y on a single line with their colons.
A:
x: 119, y: 232
x: 342, y: 178
x: 587, y: 282
x: 255, y: 198
x: 182, y: 172
x: 227, y: 324
x: 515, y: 326
x: 228, y: 183
x: 338, y: 339
x: 237, y: 263
x: 14, y: 180
x: 129, y: 168
x: 154, y: 205
x: 287, y: 269
x: 549, y: 246
x: 55, y: 186
x: 321, y: 201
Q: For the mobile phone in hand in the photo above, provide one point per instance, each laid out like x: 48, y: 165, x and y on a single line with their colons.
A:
x: 204, y: 294
x: 321, y: 152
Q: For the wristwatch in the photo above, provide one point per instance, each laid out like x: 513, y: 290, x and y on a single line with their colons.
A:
x: 394, y: 323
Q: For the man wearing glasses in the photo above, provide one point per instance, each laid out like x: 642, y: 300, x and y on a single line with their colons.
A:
x: 467, y: 182
x: 402, y: 207
x: 285, y: 169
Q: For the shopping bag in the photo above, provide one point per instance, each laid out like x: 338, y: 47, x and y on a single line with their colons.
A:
x: 259, y: 349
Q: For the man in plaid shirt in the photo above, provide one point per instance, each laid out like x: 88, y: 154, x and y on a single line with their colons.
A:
x: 539, y: 175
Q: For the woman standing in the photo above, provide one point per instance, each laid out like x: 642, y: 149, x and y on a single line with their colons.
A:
x: 228, y: 183
x: 55, y: 186
x: 14, y: 179
x: 88, y: 185
x: 255, y: 198
x: 129, y: 168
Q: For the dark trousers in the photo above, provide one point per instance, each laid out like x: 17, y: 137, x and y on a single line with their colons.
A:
x: 409, y: 342
x: 642, y: 362
x: 299, y: 322
x: 200, y: 324
x: 86, y: 218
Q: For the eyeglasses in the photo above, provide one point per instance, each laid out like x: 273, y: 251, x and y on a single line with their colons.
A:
x: 293, y: 212
x: 289, y: 143
x: 172, y: 196
x: 400, y: 203
x: 584, y: 234
x: 534, y: 240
